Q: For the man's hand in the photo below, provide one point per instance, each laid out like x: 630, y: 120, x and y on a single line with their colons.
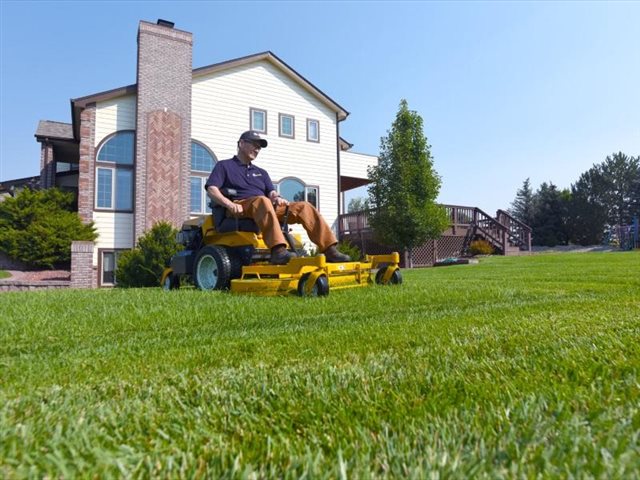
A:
x: 235, y: 209
x: 277, y: 200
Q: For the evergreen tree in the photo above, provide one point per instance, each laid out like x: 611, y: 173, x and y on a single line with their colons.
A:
x: 143, y: 265
x: 357, y: 204
x: 522, y: 208
x: 404, y: 186
x: 549, y: 222
x: 38, y: 226
x: 606, y: 194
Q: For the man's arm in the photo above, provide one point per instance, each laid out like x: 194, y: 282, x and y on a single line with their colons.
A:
x: 277, y: 199
x: 216, y: 195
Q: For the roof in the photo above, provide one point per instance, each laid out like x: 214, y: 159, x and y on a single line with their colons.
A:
x: 77, y: 104
x: 278, y: 62
x: 57, y: 130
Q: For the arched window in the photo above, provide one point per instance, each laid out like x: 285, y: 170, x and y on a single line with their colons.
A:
x: 114, y: 172
x: 295, y: 190
x: 202, y: 162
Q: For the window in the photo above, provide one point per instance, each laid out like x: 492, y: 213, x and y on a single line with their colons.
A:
x: 313, y: 130
x: 114, y: 173
x: 202, y: 162
x: 287, y: 125
x: 109, y: 264
x: 258, y: 120
x: 296, y: 191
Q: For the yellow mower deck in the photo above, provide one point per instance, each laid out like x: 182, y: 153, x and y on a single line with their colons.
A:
x: 314, y: 276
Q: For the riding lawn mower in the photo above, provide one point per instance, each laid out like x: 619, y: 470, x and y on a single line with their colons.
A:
x: 227, y: 253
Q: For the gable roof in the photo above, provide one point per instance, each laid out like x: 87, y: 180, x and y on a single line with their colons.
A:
x: 77, y: 104
x: 54, y: 130
x: 278, y: 62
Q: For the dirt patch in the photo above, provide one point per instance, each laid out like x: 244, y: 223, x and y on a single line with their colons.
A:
x: 38, y: 275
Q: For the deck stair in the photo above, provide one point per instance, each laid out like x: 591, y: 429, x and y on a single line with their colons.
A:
x: 506, y: 234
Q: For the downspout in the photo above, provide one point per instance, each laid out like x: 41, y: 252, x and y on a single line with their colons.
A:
x: 338, y: 158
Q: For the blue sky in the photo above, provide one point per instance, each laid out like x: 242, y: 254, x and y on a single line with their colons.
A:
x: 507, y: 90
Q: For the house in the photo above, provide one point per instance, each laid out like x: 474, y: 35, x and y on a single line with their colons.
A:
x: 140, y: 154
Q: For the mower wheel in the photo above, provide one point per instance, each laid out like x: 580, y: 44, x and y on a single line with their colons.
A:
x: 212, y: 268
x: 171, y: 282
x: 396, y: 277
x: 320, y: 288
x: 236, y: 266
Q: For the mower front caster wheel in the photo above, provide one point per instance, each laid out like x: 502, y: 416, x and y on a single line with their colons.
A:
x: 320, y: 287
x: 171, y: 282
x: 396, y: 277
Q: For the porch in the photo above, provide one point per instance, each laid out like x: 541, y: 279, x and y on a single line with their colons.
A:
x: 507, y: 235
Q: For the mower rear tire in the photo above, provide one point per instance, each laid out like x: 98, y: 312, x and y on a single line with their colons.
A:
x: 320, y: 287
x: 212, y: 268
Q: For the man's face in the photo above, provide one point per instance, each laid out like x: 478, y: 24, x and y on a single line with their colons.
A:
x: 250, y: 149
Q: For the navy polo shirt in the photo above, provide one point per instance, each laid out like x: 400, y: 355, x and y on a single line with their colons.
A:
x: 248, y: 180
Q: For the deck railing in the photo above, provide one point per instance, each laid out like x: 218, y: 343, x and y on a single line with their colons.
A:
x: 502, y: 231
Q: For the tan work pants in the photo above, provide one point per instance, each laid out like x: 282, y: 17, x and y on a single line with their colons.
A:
x: 268, y: 218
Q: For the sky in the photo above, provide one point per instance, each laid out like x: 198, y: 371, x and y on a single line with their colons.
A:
x: 507, y: 90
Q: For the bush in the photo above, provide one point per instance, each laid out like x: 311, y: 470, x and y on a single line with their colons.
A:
x: 38, y: 226
x: 143, y: 266
x: 350, y: 249
x: 480, y: 247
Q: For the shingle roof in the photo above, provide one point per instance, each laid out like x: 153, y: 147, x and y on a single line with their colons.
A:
x: 49, y: 129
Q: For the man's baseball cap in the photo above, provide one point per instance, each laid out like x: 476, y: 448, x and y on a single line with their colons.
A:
x: 253, y: 136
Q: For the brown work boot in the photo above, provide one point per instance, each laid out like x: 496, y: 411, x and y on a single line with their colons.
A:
x: 280, y: 255
x: 335, y: 256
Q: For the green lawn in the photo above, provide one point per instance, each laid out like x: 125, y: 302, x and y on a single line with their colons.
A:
x: 4, y: 274
x: 518, y: 367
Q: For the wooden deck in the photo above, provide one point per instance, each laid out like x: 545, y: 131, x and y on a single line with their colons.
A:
x: 507, y: 235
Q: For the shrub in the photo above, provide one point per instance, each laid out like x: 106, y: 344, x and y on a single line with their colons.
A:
x: 350, y: 249
x: 345, y: 247
x: 143, y: 266
x: 480, y: 247
x: 38, y: 226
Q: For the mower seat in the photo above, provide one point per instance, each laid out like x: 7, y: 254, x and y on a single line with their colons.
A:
x: 226, y: 224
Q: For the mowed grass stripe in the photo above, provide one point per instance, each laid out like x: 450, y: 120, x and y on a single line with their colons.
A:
x: 515, y: 367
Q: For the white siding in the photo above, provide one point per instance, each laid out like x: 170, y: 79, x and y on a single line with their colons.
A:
x: 115, y: 231
x: 221, y: 103
x: 114, y: 115
x: 355, y: 164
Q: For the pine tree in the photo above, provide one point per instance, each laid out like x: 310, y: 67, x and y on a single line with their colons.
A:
x: 522, y: 208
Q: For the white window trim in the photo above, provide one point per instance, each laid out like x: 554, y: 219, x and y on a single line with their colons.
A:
x: 281, y: 133
x: 204, y: 198
x: 251, y: 125
x: 306, y: 186
x: 113, y: 188
x: 317, y: 122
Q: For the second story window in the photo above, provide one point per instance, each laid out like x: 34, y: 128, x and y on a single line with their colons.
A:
x: 202, y: 161
x: 114, y: 173
x: 287, y: 125
x: 258, y: 120
x: 313, y: 130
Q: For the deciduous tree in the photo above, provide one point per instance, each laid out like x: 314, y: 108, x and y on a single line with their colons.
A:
x: 404, y: 186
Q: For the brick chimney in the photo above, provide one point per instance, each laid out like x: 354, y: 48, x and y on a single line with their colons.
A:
x: 163, y: 125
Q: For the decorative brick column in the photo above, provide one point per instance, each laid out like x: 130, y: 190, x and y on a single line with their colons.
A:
x: 87, y: 169
x: 47, y: 165
x: 163, y: 126
x: 82, y: 272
